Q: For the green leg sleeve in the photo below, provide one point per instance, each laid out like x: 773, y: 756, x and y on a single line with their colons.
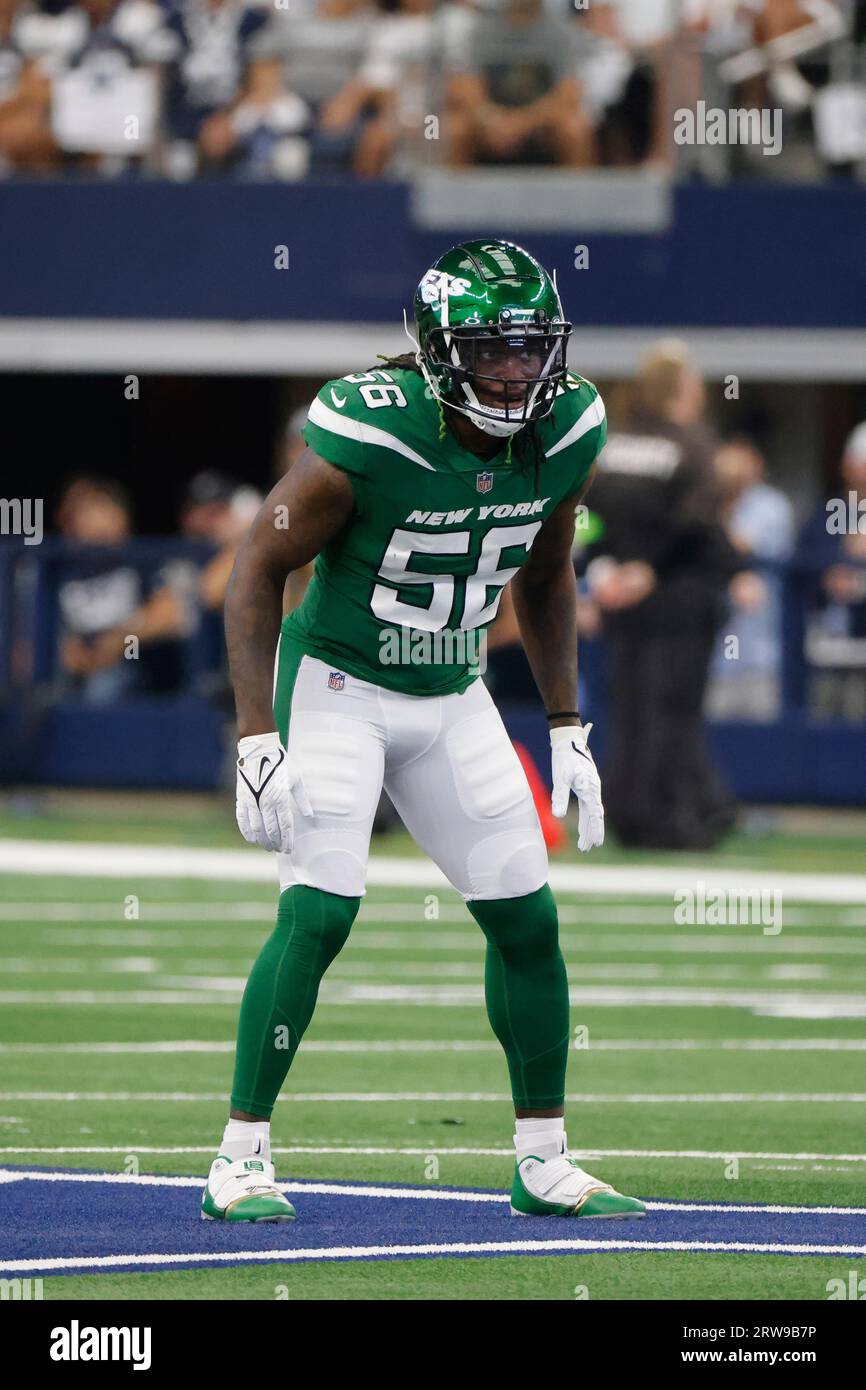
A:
x: 312, y: 927
x: 527, y: 994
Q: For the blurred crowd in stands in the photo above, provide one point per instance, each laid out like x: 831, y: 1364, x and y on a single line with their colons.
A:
x: 277, y: 89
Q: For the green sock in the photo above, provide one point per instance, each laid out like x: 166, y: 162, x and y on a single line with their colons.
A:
x: 312, y: 927
x: 526, y: 990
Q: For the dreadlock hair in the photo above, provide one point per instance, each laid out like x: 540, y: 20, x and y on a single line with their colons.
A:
x: 527, y: 452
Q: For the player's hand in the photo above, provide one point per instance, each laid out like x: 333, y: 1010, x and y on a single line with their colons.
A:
x: 269, y: 788
x: 575, y: 771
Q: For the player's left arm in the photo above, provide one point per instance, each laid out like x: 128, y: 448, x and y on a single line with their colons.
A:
x: 545, y: 600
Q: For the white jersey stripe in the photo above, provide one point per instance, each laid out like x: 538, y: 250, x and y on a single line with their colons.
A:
x: 328, y: 419
x: 592, y: 416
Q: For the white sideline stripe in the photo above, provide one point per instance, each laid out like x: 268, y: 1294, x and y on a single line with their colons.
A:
x: 119, y: 965
x: 86, y: 997
x: 426, y: 1194
x: 379, y: 1097
x: 366, y: 1252
x: 86, y: 858
x: 686, y: 943
x: 409, y: 913
x: 426, y: 949
x: 446, y: 1151
x: 774, y: 1002
x: 431, y: 1045
x: 424, y: 975
x: 367, y: 940
x: 327, y: 419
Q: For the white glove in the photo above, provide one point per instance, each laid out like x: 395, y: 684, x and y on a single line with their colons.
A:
x: 575, y: 771
x: 267, y: 785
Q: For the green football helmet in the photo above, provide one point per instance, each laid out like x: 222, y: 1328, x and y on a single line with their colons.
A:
x: 483, y: 306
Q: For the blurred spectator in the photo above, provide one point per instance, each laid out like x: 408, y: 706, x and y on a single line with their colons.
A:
x: 658, y: 572
x: 399, y: 71
x: 25, y: 95
x: 105, y: 601
x: 832, y: 550
x: 776, y: 55
x: 100, y: 59
x: 321, y: 45
x: 513, y: 96
x: 630, y: 82
x: 223, y: 98
x: 216, y: 509
x: 759, y: 521
x: 269, y: 90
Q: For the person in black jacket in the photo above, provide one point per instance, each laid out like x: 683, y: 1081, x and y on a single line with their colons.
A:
x: 659, y: 570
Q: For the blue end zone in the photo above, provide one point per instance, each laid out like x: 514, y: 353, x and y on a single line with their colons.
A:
x: 67, y: 1224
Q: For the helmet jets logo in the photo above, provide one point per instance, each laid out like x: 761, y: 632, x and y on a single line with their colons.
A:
x: 436, y: 288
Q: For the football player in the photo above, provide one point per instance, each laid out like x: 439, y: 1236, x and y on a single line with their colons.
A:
x: 427, y: 484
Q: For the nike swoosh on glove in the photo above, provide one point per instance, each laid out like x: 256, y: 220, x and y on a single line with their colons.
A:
x: 575, y: 771
x: 269, y: 788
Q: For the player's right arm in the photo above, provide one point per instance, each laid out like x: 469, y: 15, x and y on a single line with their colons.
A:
x: 303, y: 512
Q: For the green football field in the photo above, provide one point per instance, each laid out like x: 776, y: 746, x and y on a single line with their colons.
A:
x: 713, y: 1064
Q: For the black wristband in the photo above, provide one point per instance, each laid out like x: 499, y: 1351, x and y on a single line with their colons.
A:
x: 565, y: 714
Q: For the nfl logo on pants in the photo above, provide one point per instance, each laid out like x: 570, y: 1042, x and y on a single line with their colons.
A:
x: 336, y: 680
x: 484, y: 481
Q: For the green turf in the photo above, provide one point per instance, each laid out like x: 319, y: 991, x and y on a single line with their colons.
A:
x: 566, y: 1278
x: 77, y: 968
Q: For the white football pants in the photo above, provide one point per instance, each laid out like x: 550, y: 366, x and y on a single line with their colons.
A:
x: 448, y: 766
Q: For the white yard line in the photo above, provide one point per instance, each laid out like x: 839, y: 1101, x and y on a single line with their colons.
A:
x: 409, y: 913
x: 57, y: 857
x: 409, y: 1045
x: 692, y: 941
x: 778, y: 1003
x: 215, y: 975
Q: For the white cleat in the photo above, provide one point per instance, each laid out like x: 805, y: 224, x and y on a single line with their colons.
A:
x: 551, y: 1183
x: 244, y: 1190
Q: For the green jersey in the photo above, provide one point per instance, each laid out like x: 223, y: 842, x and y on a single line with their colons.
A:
x: 402, y: 593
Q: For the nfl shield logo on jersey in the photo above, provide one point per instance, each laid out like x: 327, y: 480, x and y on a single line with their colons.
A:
x: 484, y: 481
x: 336, y: 680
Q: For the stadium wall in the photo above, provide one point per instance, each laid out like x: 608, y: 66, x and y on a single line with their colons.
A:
x: 153, y: 251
